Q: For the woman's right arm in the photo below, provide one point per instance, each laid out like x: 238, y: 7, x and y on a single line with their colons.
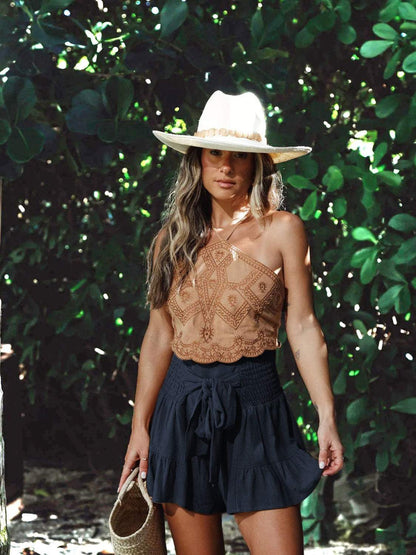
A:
x: 155, y: 356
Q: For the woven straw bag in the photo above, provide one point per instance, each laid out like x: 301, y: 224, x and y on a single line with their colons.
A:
x: 136, y: 523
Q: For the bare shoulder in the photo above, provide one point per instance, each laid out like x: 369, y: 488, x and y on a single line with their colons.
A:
x: 287, y: 226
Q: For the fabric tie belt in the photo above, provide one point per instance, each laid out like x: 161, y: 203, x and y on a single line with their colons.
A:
x: 214, y: 406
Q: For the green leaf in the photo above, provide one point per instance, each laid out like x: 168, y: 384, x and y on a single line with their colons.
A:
x: 95, y: 293
x: 354, y: 293
x: 19, y: 98
x: 366, y: 438
x: 5, y: 131
x: 391, y: 535
x: 308, y: 167
x: 24, y: 144
x: 124, y: 418
x: 363, y: 234
x: 304, y: 38
x: 403, y: 302
x: 360, y: 326
x: 411, y: 525
x: 379, y: 152
x: 86, y: 112
x: 388, y: 298
x: 50, y: 36
x: 172, y: 16
x: 333, y: 179
x: 367, y: 200
x: 347, y: 34
x: 382, y: 461
x: 117, y: 96
x: 107, y: 130
x: 406, y: 252
x: 370, y: 182
x: 344, y: 10
x: 361, y: 381
x: 265, y: 33
x: 389, y: 178
x: 53, y: 5
x: 268, y: 53
x: 404, y: 129
x: 338, y: 271
x: 389, y: 270
x: 373, y: 48
x: 257, y: 27
x: 339, y: 208
x: 300, y: 182
x: 340, y: 382
x: 392, y: 64
x: 89, y: 97
x: 358, y: 258
x: 387, y: 105
x: 385, y: 31
x: 369, y: 268
x: 409, y: 63
x: 309, y: 206
x: 78, y: 285
x: 389, y: 11
x: 357, y: 411
x: 403, y: 222
x: 324, y: 21
x: 407, y: 406
x: 408, y: 26
x: 407, y: 11
x: 82, y: 119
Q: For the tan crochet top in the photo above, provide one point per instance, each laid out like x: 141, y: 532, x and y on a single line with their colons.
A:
x: 230, y: 308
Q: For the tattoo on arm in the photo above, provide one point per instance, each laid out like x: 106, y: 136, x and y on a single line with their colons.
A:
x: 297, y: 354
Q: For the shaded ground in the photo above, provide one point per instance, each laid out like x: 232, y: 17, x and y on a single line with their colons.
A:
x: 66, y: 512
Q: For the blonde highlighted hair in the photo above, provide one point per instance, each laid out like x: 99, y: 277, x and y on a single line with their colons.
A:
x: 186, y: 221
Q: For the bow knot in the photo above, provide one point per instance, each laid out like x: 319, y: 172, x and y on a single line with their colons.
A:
x: 215, y: 405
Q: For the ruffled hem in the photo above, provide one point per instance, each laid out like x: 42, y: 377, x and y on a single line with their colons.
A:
x: 277, y: 485
x: 271, y: 486
x: 263, y: 464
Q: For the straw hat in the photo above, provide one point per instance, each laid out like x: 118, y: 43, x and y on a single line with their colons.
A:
x: 232, y: 122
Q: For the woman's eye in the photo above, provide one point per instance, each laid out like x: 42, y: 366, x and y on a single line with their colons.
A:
x: 241, y: 154
x: 215, y: 152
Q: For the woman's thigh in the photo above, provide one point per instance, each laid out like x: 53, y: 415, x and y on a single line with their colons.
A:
x: 193, y: 532
x: 274, y: 532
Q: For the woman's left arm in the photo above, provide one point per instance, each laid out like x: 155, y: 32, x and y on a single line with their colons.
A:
x: 307, y: 340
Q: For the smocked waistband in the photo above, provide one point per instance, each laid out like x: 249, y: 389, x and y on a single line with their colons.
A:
x: 255, y: 379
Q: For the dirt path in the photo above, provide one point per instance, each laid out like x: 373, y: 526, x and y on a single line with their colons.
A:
x: 66, y: 512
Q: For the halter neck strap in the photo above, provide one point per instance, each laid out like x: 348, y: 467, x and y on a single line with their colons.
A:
x: 232, y: 231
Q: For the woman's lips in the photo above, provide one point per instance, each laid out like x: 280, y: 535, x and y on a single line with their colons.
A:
x: 224, y: 184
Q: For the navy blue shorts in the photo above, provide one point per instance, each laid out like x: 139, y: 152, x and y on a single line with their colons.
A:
x: 223, y: 439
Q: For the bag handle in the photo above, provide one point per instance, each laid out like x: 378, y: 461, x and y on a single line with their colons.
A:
x: 128, y: 483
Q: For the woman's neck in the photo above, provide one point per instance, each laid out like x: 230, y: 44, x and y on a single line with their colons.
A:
x: 224, y: 216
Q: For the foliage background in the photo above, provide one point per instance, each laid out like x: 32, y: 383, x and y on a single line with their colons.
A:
x: 83, y: 84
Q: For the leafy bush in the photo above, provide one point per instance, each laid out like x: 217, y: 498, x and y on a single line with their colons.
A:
x: 84, y: 84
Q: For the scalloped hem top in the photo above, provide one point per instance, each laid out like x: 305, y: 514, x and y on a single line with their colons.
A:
x: 228, y: 309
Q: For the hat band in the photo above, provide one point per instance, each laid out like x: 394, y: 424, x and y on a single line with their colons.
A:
x: 213, y: 132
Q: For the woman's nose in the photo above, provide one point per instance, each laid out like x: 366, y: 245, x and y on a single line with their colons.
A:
x: 226, y: 163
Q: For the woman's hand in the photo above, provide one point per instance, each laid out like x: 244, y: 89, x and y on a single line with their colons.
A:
x: 330, y: 448
x: 137, y: 450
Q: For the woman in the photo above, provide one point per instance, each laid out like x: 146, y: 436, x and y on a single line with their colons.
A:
x: 222, y: 438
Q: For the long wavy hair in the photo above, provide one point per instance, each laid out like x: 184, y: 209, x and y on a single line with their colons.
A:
x: 186, y: 221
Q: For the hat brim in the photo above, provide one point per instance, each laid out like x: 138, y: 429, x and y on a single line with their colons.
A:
x: 181, y: 143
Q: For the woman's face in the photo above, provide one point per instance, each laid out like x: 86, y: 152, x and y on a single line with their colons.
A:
x: 227, y: 175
